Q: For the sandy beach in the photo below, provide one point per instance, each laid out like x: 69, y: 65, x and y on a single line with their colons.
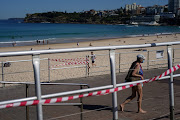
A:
x: 102, y: 58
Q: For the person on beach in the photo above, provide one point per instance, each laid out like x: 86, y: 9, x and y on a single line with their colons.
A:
x: 135, y: 73
x: 93, y: 57
x: 14, y: 43
x: 77, y: 43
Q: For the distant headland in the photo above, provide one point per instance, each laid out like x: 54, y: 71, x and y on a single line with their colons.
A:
x: 130, y: 14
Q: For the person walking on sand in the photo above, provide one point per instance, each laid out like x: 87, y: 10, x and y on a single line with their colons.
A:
x: 93, y: 57
x: 135, y: 73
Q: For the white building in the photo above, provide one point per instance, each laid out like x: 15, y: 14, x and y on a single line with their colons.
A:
x: 153, y: 10
x: 145, y: 20
x: 132, y: 7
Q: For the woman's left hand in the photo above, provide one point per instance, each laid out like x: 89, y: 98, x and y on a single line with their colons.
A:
x: 142, y: 78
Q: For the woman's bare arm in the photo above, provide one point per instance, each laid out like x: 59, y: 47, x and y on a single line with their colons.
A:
x: 136, y: 70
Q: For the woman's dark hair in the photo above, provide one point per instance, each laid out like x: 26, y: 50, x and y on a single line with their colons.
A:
x: 138, y: 59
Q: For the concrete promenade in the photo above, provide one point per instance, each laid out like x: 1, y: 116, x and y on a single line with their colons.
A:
x: 155, y: 100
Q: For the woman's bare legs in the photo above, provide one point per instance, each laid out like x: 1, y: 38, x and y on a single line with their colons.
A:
x: 139, y: 100
x: 129, y: 98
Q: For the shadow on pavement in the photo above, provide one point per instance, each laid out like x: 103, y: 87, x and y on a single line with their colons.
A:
x: 95, y: 107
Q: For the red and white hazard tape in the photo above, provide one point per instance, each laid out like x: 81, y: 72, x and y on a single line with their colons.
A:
x: 65, y: 60
x: 70, y: 63
x: 74, y: 61
x: 103, y: 92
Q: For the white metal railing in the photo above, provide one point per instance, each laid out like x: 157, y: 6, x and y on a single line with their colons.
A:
x: 36, y: 67
x: 120, y: 65
x: 66, y: 84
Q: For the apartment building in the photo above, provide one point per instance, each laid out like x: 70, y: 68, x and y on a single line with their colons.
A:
x: 174, y: 6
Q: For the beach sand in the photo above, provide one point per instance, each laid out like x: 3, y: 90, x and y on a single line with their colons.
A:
x: 102, y: 58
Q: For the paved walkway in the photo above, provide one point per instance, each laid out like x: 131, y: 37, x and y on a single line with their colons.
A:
x: 155, y: 101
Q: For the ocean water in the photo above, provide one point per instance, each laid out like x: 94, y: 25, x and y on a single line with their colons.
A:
x: 12, y: 31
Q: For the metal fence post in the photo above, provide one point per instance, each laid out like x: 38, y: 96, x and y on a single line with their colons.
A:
x: 86, y: 65
x: 119, y: 62
x: 49, y: 70
x: 173, y: 57
x: 88, y: 68
x: 148, y: 60
x: 27, y: 107
x: 171, y: 83
x: 36, y: 67
x: 81, y: 101
x: 113, y: 80
x: 3, y: 85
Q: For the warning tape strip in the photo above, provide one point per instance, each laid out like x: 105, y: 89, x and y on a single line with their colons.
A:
x: 70, y: 63
x: 108, y: 91
x: 74, y: 59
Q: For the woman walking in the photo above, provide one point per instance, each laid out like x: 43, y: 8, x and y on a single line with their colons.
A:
x: 135, y: 73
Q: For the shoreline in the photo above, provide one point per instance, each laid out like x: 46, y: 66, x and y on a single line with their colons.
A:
x: 52, y: 41
x: 131, y: 40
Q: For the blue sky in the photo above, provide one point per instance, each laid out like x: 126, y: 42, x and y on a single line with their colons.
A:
x: 19, y: 8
